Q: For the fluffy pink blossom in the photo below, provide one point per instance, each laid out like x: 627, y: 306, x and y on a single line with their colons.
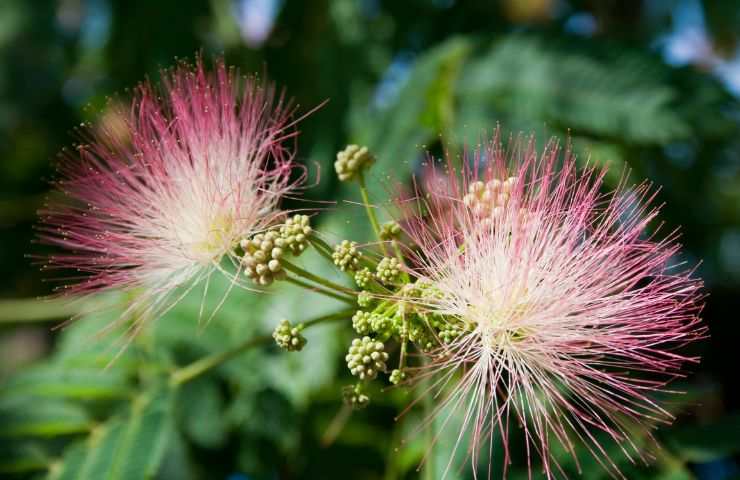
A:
x: 573, y: 311
x: 153, y: 202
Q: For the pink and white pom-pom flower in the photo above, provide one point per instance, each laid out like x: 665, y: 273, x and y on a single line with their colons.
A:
x: 154, y: 205
x: 574, y: 312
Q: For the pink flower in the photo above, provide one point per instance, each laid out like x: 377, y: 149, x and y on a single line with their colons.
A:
x: 572, y: 312
x: 154, y: 201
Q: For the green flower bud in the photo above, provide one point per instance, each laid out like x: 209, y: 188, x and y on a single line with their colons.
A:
x: 262, y: 255
x: 347, y: 256
x: 289, y: 337
x: 382, y: 325
x: 447, y: 329
x: 363, y: 277
x: 364, y: 299
x: 362, y: 322
x: 295, y: 233
x: 419, y: 333
x: 397, y: 376
x: 355, y: 396
x: 390, y: 230
x: 388, y: 270
x: 366, y: 357
x: 351, y: 161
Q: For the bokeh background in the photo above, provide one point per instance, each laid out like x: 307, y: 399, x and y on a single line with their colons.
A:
x: 649, y: 85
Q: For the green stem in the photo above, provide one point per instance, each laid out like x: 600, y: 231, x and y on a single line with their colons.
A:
x: 399, y: 256
x: 404, y: 342
x: 323, y: 249
x: 321, y: 245
x: 370, y: 211
x: 317, y: 289
x: 314, y: 278
x: 206, y: 364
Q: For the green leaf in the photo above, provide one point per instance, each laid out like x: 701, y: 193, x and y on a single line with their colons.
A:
x: 23, y: 416
x: 425, y: 108
x: 201, y: 412
x: 22, y: 457
x: 530, y: 80
x: 62, y: 382
x: 124, y: 448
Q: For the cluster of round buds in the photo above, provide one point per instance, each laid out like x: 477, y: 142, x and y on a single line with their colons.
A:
x: 363, y: 277
x: 388, y: 270
x: 383, y: 326
x: 355, y: 396
x: 351, y: 161
x: 488, y: 199
x: 420, y: 334
x: 346, y: 255
x: 366, y: 358
x: 447, y: 331
x: 262, y: 255
x: 364, y: 299
x: 390, y: 230
x: 295, y: 232
x: 289, y: 337
x: 362, y: 322
x: 397, y: 376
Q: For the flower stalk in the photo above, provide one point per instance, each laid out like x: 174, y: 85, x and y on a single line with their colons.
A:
x: 314, y: 278
x: 370, y: 212
x: 204, y: 365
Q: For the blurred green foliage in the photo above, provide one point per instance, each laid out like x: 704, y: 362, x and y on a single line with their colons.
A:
x: 404, y: 78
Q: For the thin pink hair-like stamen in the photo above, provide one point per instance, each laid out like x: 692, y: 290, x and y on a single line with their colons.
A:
x: 578, y: 313
x: 154, y: 205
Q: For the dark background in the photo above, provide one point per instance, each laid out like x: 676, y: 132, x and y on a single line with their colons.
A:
x: 649, y: 85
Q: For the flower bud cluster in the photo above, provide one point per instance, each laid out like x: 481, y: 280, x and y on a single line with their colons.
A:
x: 363, y: 277
x: 295, y: 233
x: 346, y: 256
x: 447, y: 328
x: 366, y: 357
x: 390, y: 231
x: 262, y: 255
x: 420, y: 334
x: 388, y: 270
x: 351, y: 161
x: 487, y: 200
x: 397, y: 376
x: 362, y: 322
x: 364, y: 299
x: 355, y: 396
x: 289, y: 337
x: 262, y: 252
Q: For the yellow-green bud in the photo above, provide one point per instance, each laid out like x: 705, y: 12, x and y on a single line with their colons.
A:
x: 351, y: 161
x: 364, y: 299
x: 397, y: 376
x: 262, y: 255
x: 355, y: 396
x: 388, y: 270
x: 289, y: 337
x: 390, y: 230
x: 363, y: 277
x: 295, y: 232
x: 366, y: 357
x: 347, y: 256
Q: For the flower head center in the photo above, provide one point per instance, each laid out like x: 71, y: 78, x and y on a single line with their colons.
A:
x: 217, y: 238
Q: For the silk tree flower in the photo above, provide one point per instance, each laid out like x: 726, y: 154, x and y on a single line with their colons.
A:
x: 573, y: 312
x: 154, y: 205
